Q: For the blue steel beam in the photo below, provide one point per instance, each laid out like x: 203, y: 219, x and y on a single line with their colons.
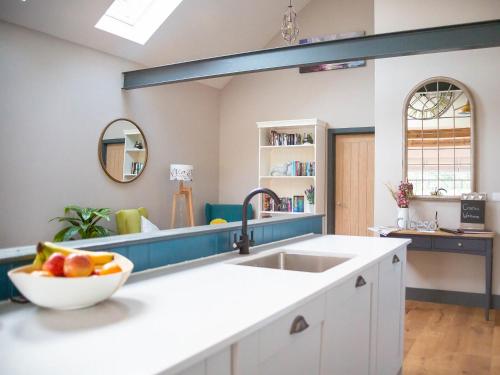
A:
x: 404, y: 43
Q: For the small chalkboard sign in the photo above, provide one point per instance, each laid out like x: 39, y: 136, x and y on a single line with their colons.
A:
x: 472, y: 211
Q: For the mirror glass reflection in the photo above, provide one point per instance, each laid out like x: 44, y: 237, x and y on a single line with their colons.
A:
x: 123, y: 150
x: 439, y: 145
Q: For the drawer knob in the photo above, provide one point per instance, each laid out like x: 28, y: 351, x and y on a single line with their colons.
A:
x: 360, y: 282
x: 395, y: 259
x: 299, y: 324
x: 460, y: 244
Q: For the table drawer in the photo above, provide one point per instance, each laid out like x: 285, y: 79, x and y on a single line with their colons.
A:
x: 418, y: 242
x: 469, y: 245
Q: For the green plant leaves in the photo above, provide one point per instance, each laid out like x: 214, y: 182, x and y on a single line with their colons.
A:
x: 66, y: 234
x: 84, y: 224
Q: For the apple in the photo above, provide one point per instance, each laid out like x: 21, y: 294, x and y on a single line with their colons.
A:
x: 78, y: 265
x: 55, y: 264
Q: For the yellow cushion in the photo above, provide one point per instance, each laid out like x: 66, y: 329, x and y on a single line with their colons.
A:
x: 218, y: 221
x: 129, y: 221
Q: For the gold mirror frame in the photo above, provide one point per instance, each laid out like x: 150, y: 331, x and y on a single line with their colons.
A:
x: 100, y: 156
x: 466, y: 91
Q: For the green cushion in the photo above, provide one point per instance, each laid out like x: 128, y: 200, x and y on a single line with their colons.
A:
x: 228, y: 212
x: 129, y: 221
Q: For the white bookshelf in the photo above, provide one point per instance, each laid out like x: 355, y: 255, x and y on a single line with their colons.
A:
x: 272, y: 155
x: 132, y: 154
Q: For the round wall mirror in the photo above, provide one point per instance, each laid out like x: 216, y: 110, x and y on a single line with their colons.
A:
x: 123, y: 150
x: 439, y: 139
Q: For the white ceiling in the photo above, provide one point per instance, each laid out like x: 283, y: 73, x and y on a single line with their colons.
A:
x: 196, y: 29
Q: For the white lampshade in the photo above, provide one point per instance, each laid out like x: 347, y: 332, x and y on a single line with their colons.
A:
x: 181, y: 172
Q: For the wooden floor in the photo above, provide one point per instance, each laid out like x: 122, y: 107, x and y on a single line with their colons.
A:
x: 449, y: 339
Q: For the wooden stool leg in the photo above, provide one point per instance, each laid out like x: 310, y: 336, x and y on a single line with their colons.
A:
x: 174, y: 203
x: 189, y: 196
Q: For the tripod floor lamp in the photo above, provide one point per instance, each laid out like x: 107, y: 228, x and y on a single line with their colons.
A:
x: 182, y: 173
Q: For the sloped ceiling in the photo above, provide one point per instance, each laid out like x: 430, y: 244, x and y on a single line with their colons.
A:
x: 197, y: 28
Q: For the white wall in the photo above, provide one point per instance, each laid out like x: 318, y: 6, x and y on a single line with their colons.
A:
x: 343, y: 98
x: 394, y: 79
x: 56, y: 98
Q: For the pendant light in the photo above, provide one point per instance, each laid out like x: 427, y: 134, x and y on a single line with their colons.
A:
x: 289, y: 27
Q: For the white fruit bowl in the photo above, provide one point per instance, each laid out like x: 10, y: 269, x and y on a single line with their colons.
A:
x: 69, y: 293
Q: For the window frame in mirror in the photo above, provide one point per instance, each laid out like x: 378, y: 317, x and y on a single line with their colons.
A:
x: 100, y: 155
x: 466, y: 91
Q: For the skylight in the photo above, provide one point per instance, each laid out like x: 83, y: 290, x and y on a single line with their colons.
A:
x: 136, y: 20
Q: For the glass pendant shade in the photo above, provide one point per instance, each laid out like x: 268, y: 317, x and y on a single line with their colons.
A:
x: 289, y: 27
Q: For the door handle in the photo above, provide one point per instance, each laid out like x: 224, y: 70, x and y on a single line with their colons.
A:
x: 360, y: 282
x: 299, y: 324
x: 395, y: 259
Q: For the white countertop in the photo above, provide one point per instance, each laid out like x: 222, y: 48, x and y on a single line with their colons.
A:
x: 170, y: 318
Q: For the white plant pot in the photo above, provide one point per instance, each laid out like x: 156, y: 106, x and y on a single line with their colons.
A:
x: 308, y: 207
x: 403, y: 220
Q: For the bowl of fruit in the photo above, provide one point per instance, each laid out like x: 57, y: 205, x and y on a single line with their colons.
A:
x: 65, y: 279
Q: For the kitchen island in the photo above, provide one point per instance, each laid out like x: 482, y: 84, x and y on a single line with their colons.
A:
x: 214, y: 316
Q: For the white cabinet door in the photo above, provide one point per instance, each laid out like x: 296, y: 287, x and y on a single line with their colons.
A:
x: 218, y: 364
x: 299, y: 357
x: 290, y: 345
x: 391, y: 294
x: 348, y: 338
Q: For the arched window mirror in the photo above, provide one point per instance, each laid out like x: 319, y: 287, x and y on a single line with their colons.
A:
x: 439, y: 139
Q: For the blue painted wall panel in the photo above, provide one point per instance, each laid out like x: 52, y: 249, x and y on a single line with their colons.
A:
x: 4, y: 281
x: 223, y: 242
x: 258, y: 235
x: 158, y: 254
x: 121, y: 250
x: 180, y: 249
x: 139, y: 255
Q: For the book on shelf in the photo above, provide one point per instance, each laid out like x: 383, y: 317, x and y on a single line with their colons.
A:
x: 298, y: 203
x: 136, y: 167
x: 298, y: 168
x: 287, y: 204
x: 288, y: 139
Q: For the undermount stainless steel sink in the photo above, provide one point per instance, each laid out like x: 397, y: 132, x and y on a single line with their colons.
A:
x: 296, y: 262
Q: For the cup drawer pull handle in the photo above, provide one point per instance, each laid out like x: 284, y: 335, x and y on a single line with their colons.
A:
x: 360, y: 282
x: 299, y: 324
x: 395, y: 259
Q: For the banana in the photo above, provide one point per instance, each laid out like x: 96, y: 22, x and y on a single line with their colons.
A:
x: 39, y: 260
x: 45, y: 249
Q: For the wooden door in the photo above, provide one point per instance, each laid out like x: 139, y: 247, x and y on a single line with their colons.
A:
x: 114, y: 160
x: 354, y: 171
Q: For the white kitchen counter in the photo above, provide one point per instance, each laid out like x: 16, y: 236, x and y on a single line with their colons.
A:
x: 167, y: 319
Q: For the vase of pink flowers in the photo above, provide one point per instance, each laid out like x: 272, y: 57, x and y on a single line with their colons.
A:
x: 402, y: 197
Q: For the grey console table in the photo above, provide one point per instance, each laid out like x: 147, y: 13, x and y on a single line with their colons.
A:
x: 473, y: 244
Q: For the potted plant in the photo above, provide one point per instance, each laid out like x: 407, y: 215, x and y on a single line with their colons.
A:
x: 82, y: 223
x: 402, y: 197
x: 308, y: 139
x: 309, y: 203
